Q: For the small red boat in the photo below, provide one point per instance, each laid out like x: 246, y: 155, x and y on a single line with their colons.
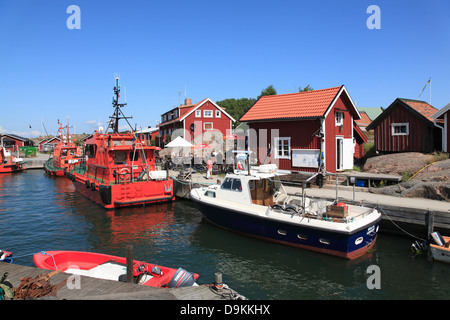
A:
x: 104, y: 266
x: 64, y: 156
x: 10, y: 163
x: 119, y: 169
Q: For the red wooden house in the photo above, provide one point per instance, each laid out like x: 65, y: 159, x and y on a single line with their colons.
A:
x: 407, y: 126
x: 14, y: 142
x: 148, y: 134
x: 48, y: 144
x: 443, y: 117
x: 306, y: 131
x: 196, y: 123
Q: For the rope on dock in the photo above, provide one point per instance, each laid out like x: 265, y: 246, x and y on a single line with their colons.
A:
x: 411, y: 235
x: 230, y: 295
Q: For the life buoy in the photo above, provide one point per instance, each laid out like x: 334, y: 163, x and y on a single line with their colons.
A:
x: 123, y: 173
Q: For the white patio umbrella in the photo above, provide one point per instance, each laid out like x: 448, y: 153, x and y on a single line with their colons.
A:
x: 178, y: 142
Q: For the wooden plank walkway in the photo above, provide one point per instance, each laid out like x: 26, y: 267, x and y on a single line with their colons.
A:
x: 99, y: 289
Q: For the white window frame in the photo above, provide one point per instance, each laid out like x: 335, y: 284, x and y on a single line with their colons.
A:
x: 395, y: 125
x: 218, y: 114
x: 205, y: 116
x: 198, y: 113
x: 277, y: 141
x: 211, y: 123
x: 339, y: 118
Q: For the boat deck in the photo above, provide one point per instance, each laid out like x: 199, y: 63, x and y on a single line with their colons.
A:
x: 100, y: 289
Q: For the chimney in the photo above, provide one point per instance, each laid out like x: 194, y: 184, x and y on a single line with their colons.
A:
x: 187, y: 102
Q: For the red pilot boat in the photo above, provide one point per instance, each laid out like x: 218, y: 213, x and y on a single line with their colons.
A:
x: 64, y: 156
x: 10, y: 163
x: 104, y: 266
x: 120, y: 168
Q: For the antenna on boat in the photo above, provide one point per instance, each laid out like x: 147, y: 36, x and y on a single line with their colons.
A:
x: 118, y: 114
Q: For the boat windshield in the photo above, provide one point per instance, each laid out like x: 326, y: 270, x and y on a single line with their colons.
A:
x: 233, y: 184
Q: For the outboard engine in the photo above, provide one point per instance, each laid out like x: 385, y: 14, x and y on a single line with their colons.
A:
x: 6, y: 256
x: 182, y: 278
x: 419, y: 247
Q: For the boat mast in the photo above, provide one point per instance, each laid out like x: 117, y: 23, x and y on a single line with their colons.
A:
x: 65, y: 139
x: 118, y: 114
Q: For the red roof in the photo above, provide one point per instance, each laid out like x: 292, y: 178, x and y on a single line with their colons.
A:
x: 365, y: 120
x: 421, y: 107
x: 309, y: 104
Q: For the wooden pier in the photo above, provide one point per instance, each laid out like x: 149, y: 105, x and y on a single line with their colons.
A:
x: 98, y: 289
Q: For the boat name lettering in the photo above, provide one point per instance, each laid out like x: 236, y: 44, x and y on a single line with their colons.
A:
x: 371, y: 230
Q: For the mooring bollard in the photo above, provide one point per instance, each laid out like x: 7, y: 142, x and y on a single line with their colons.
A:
x: 218, y: 281
x: 129, y: 264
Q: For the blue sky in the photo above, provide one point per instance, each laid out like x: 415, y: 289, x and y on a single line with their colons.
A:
x: 220, y: 50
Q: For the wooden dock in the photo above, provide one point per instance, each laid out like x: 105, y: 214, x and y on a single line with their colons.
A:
x: 401, y: 216
x: 99, y: 289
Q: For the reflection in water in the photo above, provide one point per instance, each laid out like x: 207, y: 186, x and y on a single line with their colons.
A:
x: 39, y: 213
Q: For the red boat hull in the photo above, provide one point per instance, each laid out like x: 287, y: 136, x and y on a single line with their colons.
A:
x: 57, y: 173
x: 85, y: 261
x: 12, y: 168
x: 125, y: 194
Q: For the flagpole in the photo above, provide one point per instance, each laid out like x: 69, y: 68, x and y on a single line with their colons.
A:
x: 430, y: 91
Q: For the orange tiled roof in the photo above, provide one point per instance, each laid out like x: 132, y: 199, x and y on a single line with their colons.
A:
x: 309, y: 104
x: 365, y: 120
x: 421, y: 107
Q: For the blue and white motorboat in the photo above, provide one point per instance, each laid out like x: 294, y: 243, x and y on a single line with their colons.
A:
x: 254, y: 202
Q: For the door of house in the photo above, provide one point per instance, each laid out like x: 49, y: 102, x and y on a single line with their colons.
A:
x: 339, y: 153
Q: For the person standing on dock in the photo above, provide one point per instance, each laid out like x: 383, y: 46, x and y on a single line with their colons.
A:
x: 209, y: 165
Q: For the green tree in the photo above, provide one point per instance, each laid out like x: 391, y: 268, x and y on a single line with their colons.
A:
x: 307, y: 88
x: 236, y: 107
x: 269, y: 91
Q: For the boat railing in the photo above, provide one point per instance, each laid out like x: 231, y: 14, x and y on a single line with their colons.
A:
x: 125, y: 174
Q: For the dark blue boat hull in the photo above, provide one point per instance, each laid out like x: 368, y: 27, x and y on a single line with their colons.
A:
x: 342, y: 244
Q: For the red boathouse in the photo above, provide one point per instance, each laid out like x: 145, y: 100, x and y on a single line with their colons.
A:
x: 407, y: 126
x: 306, y: 131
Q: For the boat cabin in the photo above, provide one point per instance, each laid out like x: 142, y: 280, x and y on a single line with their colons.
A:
x: 111, y: 158
x: 258, y: 187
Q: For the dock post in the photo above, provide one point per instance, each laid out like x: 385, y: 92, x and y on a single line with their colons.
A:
x: 218, y: 281
x: 129, y: 264
x: 430, y: 223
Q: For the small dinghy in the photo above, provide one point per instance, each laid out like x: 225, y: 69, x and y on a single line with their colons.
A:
x: 440, y: 247
x: 104, y: 266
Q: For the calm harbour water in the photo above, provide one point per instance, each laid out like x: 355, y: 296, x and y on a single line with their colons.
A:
x: 41, y: 213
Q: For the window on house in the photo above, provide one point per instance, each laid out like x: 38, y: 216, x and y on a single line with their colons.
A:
x: 207, y: 113
x: 400, y: 129
x: 339, y: 118
x: 198, y: 113
x: 207, y: 126
x: 282, y: 148
x: 218, y: 113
